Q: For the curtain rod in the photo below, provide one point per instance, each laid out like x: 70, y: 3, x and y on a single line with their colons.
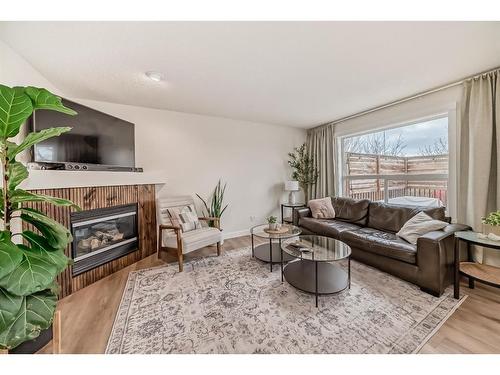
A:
x: 407, y: 98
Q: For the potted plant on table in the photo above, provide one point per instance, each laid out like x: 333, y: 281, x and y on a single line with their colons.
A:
x: 491, y: 223
x: 273, y: 222
x: 214, y: 206
x: 28, y: 271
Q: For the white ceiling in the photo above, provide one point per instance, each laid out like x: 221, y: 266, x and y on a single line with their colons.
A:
x: 291, y: 73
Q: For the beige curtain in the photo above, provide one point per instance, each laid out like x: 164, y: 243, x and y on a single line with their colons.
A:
x: 321, y: 147
x: 479, y: 173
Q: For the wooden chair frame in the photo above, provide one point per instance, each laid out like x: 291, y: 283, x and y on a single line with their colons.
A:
x: 178, y: 232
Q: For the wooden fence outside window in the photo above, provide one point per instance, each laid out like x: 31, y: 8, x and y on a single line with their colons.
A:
x: 380, y: 177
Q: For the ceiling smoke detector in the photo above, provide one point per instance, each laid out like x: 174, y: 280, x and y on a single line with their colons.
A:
x: 155, y: 76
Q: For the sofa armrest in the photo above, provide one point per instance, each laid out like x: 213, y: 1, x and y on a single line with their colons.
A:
x: 439, y: 235
x: 300, y: 212
x: 452, y: 228
x: 435, y: 258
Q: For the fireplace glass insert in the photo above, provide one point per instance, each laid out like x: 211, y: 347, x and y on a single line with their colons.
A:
x: 102, y: 235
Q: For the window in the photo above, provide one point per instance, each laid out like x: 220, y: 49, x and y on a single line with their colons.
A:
x: 404, y: 165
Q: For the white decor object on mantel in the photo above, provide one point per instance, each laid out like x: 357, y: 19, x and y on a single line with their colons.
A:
x: 292, y: 187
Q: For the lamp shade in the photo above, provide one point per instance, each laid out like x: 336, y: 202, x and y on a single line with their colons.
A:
x: 291, y: 185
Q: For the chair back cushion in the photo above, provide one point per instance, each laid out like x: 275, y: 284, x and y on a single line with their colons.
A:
x: 178, y: 211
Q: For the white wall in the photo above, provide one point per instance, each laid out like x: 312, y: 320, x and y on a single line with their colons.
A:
x: 189, y: 152
x: 15, y: 71
x: 192, y: 152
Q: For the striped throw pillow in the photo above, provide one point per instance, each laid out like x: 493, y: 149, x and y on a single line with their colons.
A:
x: 184, y: 216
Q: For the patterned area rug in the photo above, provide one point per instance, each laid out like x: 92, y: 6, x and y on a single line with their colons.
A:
x: 233, y: 304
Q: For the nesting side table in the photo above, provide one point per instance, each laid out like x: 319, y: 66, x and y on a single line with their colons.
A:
x: 482, y: 273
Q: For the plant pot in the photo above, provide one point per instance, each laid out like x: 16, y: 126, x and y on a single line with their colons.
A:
x: 488, y: 228
x: 32, y: 346
x: 273, y: 226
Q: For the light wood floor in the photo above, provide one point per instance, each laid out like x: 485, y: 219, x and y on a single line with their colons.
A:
x: 88, y: 315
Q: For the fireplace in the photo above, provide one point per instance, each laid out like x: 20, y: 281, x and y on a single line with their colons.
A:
x: 102, y: 235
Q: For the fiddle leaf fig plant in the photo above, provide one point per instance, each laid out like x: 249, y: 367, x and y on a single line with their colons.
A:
x: 29, y: 261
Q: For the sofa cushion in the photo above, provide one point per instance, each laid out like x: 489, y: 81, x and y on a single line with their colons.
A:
x: 325, y: 227
x: 351, y: 210
x: 391, y: 217
x: 381, y: 243
x: 419, y: 225
x: 321, y: 208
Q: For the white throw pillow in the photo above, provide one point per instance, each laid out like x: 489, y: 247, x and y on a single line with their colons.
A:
x: 419, y: 225
x: 322, y: 208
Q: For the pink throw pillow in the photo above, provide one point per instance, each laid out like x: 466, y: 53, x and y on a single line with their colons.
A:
x: 322, y: 208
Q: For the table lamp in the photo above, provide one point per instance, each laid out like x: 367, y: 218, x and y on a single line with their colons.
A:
x: 292, y: 187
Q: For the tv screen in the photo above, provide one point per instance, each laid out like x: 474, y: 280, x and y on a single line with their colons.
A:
x: 95, y: 138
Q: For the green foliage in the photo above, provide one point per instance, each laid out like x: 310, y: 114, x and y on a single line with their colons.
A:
x: 214, y: 206
x: 272, y: 220
x: 493, y: 218
x: 27, y: 271
x: 303, y: 167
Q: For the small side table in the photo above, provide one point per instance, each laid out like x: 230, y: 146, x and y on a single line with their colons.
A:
x: 293, y: 206
x: 482, y: 273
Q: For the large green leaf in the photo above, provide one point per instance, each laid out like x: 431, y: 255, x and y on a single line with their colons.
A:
x: 34, y: 138
x: 36, y: 314
x: 37, y: 240
x: 10, y: 255
x: 22, y: 196
x: 44, y: 99
x: 55, y: 233
x: 35, y: 273
x: 40, y: 246
x: 15, y: 108
x: 16, y: 173
x: 10, y: 305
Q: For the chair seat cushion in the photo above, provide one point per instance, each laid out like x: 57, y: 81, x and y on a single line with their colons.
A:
x: 382, y: 243
x: 194, y: 239
x: 325, y: 227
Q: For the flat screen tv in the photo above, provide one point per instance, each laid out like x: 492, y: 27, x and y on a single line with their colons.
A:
x: 96, y: 138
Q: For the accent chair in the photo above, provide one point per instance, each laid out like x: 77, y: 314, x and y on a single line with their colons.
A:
x: 182, y: 231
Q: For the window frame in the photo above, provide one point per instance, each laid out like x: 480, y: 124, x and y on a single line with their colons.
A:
x: 449, y: 177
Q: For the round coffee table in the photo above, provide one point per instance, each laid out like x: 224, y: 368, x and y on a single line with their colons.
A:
x: 316, y: 267
x: 271, y: 252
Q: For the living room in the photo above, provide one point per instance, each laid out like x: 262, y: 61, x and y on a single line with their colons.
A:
x: 267, y: 187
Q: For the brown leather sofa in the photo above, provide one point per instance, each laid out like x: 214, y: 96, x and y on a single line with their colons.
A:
x: 369, y: 228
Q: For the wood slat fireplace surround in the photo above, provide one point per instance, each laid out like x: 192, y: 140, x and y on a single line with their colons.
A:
x: 89, y: 198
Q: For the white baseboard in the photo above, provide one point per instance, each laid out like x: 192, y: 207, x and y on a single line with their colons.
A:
x: 239, y: 233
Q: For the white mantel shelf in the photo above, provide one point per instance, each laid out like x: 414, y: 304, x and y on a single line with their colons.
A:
x: 39, y: 179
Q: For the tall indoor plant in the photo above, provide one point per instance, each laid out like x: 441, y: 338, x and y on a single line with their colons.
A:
x: 303, y: 167
x: 28, y: 290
